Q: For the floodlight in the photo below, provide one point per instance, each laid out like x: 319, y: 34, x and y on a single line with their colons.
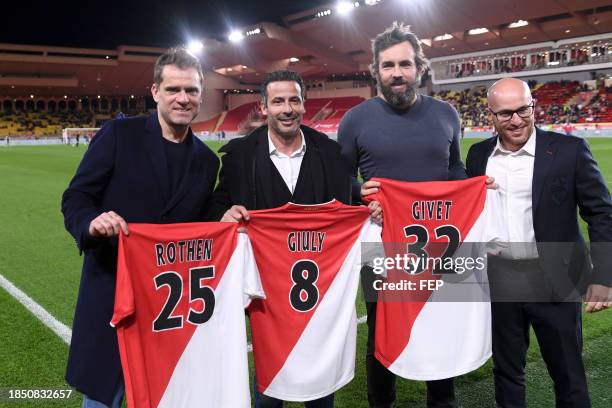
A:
x: 519, y: 23
x: 235, y: 36
x: 195, y: 46
x: 344, y: 7
x: 476, y: 31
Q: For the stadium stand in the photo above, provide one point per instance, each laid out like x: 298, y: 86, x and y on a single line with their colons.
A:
x: 208, y: 125
x: 234, y: 117
x: 35, y: 124
x: 598, y: 108
x: 558, y: 102
x: 315, y: 109
x: 323, y: 114
x: 470, y: 103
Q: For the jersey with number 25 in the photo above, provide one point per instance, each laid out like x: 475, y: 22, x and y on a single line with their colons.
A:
x: 179, y: 312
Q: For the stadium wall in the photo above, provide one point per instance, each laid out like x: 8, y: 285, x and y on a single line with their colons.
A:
x: 580, y: 76
x: 233, y: 101
x: 336, y: 93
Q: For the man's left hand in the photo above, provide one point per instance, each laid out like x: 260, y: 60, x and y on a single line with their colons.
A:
x: 376, y: 212
x: 598, y: 297
x: 490, y: 183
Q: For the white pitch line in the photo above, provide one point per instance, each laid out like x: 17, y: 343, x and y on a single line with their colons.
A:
x: 37, y: 310
x: 55, y: 325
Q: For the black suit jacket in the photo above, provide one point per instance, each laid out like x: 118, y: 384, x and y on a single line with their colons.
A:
x: 123, y: 170
x: 239, y: 178
x: 565, y: 178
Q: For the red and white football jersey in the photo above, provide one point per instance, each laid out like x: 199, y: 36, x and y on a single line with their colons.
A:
x: 425, y: 336
x: 304, y: 332
x: 179, y: 312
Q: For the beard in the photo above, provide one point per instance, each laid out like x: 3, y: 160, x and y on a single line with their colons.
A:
x: 399, y: 100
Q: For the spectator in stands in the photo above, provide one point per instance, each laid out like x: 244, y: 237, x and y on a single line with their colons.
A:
x: 269, y: 167
x: 412, y: 127
x: 147, y: 169
x: 553, y: 176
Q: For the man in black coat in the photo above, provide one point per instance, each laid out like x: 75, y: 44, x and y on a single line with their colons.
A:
x: 149, y: 169
x: 279, y: 163
x: 544, y: 178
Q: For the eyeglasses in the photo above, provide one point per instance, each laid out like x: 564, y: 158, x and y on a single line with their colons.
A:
x: 523, y: 112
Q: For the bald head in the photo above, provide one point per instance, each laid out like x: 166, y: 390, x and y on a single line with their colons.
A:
x: 512, y: 108
x: 508, y: 90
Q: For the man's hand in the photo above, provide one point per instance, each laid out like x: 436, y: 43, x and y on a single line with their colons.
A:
x: 598, y: 297
x: 376, y: 212
x: 369, y: 187
x: 236, y: 214
x: 108, y: 224
x: 490, y: 183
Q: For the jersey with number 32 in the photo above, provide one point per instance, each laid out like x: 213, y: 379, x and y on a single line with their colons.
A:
x: 437, y: 332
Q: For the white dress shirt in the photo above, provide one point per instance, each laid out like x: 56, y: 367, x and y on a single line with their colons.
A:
x: 513, y: 172
x: 288, y: 165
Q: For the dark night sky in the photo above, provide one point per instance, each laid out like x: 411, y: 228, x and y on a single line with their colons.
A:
x: 155, y: 23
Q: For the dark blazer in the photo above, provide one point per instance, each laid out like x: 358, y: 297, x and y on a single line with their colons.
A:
x: 565, y: 178
x: 123, y: 170
x: 239, y: 178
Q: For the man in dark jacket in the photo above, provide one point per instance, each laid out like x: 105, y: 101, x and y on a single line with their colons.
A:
x: 149, y: 169
x: 279, y: 163
x: 544, y: 178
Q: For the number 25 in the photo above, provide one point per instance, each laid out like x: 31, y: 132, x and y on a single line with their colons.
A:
x: 165, y: 320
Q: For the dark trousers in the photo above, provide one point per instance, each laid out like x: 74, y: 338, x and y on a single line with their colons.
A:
x: 264, y: 401
x: 558, y: 329
x: 381, y: 382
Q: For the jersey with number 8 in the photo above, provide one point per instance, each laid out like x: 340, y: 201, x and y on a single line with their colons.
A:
x: 304, y: 332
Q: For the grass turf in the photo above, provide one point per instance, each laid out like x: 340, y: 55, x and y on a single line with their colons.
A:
x: 40, y: 258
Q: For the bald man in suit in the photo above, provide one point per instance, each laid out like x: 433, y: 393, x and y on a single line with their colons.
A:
x: 543, y: 177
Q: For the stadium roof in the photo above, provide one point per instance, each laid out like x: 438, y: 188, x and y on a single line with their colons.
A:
x: 323, y: 41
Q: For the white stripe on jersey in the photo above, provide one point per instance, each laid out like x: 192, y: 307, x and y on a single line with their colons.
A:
x: 335, y: 321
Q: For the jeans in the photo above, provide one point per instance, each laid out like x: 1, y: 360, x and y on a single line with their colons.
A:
x: 117, y: 399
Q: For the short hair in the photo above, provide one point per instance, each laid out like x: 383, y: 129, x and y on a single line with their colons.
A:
x: 397, y: 34
x: 277, y: 76
x: 180, y: 57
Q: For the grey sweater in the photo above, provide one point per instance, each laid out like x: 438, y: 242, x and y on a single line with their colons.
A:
x: 420, y: 144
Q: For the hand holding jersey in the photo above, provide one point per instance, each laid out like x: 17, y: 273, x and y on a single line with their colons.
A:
x: 108, y: 224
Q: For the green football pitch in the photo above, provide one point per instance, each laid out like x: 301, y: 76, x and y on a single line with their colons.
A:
x: 40, y: 258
